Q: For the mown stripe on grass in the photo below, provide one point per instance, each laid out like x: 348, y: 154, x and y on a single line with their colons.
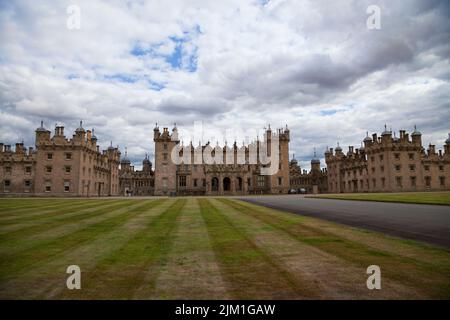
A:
x: 52, y: 248
x: 37, y: 208
x: 429, y: 278
x: 192, y: 270
x: 50, y: 215
x: 249, y: 270
x: 138, y: 260
x: 58, y: 220
x: 42, y: 204
x: 30, y: 285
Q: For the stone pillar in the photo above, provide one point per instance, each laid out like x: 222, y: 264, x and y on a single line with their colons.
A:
x: 233, y: 185
x: 244, y: 185
x: 315, y: 189
x: 220, y: 192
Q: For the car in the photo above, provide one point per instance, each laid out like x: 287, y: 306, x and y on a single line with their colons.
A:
x: 292, y: 191
x: 302, y: 191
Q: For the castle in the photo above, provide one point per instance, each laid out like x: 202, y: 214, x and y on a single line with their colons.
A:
x: 60, y: 166
x: 227, y: 175
x: 389, y: 164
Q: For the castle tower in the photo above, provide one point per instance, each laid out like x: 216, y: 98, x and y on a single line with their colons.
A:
x: 125, y: 163
x: 42, y: 134
x: 165, y: 168
x: 146, y: 164
x: 416, y: 137
x: 315, y: 162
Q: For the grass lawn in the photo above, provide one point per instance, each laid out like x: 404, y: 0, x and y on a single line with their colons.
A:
x: 442, y: 198
x: 202, y: 248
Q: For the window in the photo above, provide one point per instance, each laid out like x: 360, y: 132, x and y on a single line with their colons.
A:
x: 413, y: 181
x: 164, y: 182
x: 204, y: 182
x: 67, y: 169
x: 383, y: 182
x: 372, y: 159
x: 397, y: 156
x: 7, y: 169
x: 427, y: 168
x: 66, y: 186
x: 411, y: 156
x: 48, y: 169
x: 182, y: 181
x: 398, y: 180
x: 441, y: 168
x: 412, y: 167
x: 261, y: 181
x: 68, y: 156
x: 249, y: 182
x: 280, y: 180
x: 7, y: 183
x: 49, y: 156
x: 165, y: 146
x: 48, y: 186
x: 374, y: 183
x: 27, y: 183
x: 381, y: 157
x: 382, y: 168
x: 428, y: 181
x: 442, y: 181
x: 195, y: 182
x: 373, y: 169
x: 165, y: 156
x: 397, y: 167
x: 27, y: 169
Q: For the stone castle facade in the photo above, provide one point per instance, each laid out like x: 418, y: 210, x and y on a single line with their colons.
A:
x: 60, y: 166
x: 389, y: 164
x: 136, y: 182
x: 230, y: 178
x: 314, y: 181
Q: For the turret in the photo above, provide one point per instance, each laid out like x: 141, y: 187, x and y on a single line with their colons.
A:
x: 125, y: 163
x: 146, y: 164
x: 42, y: 134
x: 80, y: 133
x: 315, y: 162
x: 416, y: 137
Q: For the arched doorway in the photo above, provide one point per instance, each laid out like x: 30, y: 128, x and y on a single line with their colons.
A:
x: 215, y: 184
x: 226, y: 184
x: 239, y: 184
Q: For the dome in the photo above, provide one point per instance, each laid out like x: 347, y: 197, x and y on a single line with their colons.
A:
x: 338, y: 148
x: 146, y: 161
x: 93, y: 137
x: 385, y: 132
x: 448, y: 139
x: 41, y: 128
x: 315, y: 160
x: 367, y: 138
x: 125, y: 159
x: 80, y: 128
x: 416, y: 132
x: 293, y: 160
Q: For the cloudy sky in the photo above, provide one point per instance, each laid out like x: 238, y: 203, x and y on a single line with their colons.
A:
x: 313, y: 65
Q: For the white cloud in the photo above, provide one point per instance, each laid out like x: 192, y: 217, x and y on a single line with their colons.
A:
x: 310, y: 64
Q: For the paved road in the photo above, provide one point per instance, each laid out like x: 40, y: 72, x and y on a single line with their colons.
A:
x: 427, y: 223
